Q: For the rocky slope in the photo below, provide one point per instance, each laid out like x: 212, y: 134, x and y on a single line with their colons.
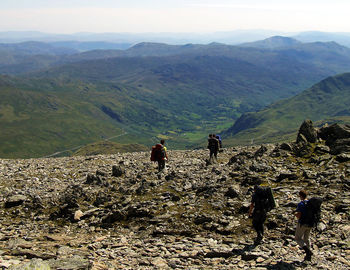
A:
x: 117, y: 212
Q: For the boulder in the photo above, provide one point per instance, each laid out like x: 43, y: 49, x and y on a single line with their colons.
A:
x: 15, y: 200
x: 117, y: 171
x: 231, y: 193
x: 307, y: 133
x: 93, y: 179
x: 343, y: 157
x: 286, y: 147
x: 261, y: 151
x: 337, y: 137
x: 334, y: 132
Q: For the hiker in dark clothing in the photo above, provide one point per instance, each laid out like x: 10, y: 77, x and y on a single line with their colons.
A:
x: 213, y: 146
x: 258, y: 213
x: 163, y: 157
x: 302, y: 231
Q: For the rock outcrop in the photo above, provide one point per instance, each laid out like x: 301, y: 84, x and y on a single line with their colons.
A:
x: 117, y: 212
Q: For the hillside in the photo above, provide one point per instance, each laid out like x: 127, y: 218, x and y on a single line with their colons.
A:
x: 107, y: 147
x: 117, y: 212
x: 327, y: 101
x: 151, y: 91
x: 38, y: 118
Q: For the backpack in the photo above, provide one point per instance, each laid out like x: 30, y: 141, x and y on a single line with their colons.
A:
x: 218, y: 137
x: 158, y: 152
x: 312, y: 214
x: 265, y: 199
x: 213, y: 144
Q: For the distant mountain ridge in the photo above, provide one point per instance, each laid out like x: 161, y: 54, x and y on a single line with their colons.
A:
x: 228, y: 37
x: 274, y: 42
x: 35, y: 48
x: 16, y: 58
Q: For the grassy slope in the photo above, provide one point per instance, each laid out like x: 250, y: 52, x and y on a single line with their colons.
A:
x: 36, y: 121
x: 327, y: 101
x: 107, y: 147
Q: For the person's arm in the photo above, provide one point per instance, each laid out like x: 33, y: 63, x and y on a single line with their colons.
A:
x: 297, y: 212
x: 251, y: 207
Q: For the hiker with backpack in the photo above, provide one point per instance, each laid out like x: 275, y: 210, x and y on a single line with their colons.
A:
x: 218, y: 137
x: 213, y: 146
x: 159, y: 154
x: 308, y: 213
x: 262, y: 202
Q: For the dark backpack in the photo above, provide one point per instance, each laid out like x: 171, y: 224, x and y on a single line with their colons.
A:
x: 213, y: 144
x: 264, y: 199
x: 312, y: 215
x: 158, y: 152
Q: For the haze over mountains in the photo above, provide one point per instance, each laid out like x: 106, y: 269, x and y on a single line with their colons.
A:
x: 55, y: 97
x: 89, y: 41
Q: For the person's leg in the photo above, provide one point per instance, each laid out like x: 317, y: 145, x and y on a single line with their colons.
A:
x: 162, y: 164
x: 258, y: 224
x: 306, y: 236
x: 299, y: 235
x: 211, y: 156
x: 302, y: 234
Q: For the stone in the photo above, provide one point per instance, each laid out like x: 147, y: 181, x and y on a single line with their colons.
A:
x: 34, y: 264
x: 231, y: 193
x: 344, y: 157
x: 286, y: 147
x: 117, y: 171
x: 78, y: 215
x: 15, y: 200
x: 307, y: 133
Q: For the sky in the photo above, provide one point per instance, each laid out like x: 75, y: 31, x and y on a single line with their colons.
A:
x: 140, y: 16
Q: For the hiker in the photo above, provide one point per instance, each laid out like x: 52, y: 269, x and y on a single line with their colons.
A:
x: 303, y: 229
x: 159, y: 154
x: 163, y: 157
x: 262, y: 202
x: 213, y: 146
x: 218, y: 137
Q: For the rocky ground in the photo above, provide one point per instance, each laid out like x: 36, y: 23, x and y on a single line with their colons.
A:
x: 117, y: 212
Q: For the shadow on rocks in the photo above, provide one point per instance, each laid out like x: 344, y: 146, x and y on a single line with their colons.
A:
x: 281, y: 265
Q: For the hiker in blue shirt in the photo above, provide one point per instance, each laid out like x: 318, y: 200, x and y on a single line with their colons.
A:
x: 302, y: 232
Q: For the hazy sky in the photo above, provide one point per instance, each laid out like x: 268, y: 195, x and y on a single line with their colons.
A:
x: 70, y: 16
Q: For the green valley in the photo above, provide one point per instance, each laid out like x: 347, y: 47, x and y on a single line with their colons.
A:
x: 151, y: 91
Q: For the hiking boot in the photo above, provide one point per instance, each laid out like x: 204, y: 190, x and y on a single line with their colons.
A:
x: 308, y: 254
x: 258, y: 240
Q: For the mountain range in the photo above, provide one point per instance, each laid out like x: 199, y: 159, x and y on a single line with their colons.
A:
x: 89, y: 41
x: 60, y: 99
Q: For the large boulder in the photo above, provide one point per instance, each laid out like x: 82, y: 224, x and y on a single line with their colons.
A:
x: 337, y: 137
x: 307, y: 133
